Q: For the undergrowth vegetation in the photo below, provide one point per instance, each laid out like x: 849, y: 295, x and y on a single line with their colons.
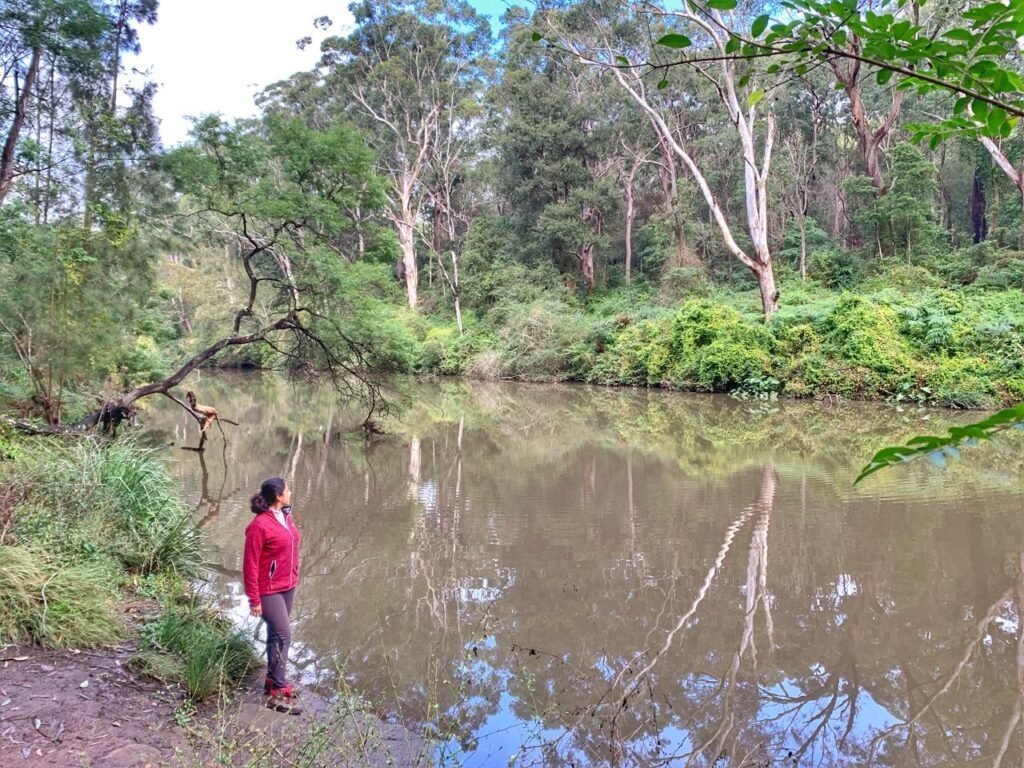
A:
x: 89, y: 525
x: 864, y: 329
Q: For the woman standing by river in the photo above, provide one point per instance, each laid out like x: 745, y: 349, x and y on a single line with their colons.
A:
x: 270, y: 570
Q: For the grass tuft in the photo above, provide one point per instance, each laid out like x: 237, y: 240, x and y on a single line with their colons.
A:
x: 89, y: 501
x: 193, y: 646
x: 46, y: 604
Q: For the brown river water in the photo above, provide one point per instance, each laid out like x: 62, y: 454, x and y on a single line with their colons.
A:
x: 555, y: 575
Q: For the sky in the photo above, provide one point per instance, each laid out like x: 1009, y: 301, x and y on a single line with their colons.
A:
x: 213, y: 56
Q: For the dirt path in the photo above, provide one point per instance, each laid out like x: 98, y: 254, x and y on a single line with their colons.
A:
x: 88, y: 709
x: 62, y: 708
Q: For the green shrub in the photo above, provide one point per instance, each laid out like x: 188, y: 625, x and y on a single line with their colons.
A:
x: 834, y: 267
x: 443, y: 351
x: 715, y: 349
x: 963, y: 382
x: 816, y: 373
x: 725, y: 364
x: 933, y: 323
x: 900, y: 276
x: 1005, y: 273
x: 685, y: 282
x: 816, y: 238
x: 960, y: 266
x: 653, y: 247
x: 139, y: 363
x: 436, y: 354
x: 57, y: 606
x: 799, y: 339
x: 1014, y: 387
x: 759, y: 388
x: 537, y: 342
x: 865, y: 334
x: 638, y: 355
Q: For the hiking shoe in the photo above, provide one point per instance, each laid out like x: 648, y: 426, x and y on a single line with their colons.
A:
x: 284, y: 702
x: 268, y: 686
x: 286, y: 690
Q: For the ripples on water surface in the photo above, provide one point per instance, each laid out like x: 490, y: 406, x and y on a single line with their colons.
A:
x: 554, y: 575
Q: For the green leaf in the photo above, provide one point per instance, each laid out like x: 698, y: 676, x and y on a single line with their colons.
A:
x: 537, y: 37
x: 721, y: 5
x: 959, y: 34
x: 754, y: 98
x: 662, y: 85
x: 996, y: 118
x: 760, y: 25
x: 622, y: 60
x: 991, y: 50
x: 937, y: 449
x: 675, y: 41
x: 925, y: 441
x: 1015, y: 81
x: 883, y: 76
x: 733, y: 44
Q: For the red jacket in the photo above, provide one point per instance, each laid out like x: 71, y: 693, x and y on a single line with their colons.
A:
x: 271, y: 560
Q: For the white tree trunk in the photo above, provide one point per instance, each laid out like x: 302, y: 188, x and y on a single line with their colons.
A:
x: 407, y: 243
x: 803, y: 248
x: 1000, y: 159
x: 630, y: 215
x: 755, y: 183
x: 456, y: 291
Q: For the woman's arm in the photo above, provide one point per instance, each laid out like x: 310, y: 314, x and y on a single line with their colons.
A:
x: 250, y: 566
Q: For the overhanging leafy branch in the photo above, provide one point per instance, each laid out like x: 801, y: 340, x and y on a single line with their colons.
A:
x: 938, y: 449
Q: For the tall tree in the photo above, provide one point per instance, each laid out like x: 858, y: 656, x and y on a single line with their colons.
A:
x: 552, y: 124
x: 67, y: 34
x: 749, y: 115
x: 406, y: 74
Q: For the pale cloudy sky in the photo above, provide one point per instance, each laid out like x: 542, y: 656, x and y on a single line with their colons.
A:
x: 214, y: 55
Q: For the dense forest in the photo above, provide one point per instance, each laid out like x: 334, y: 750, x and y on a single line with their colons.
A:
x: 800, y: 198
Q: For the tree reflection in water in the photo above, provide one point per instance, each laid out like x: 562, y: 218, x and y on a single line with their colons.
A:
x: 568, y: 575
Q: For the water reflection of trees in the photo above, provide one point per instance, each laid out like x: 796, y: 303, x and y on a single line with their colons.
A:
x: 604, y: 558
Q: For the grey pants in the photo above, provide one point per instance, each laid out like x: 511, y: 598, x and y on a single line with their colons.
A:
x: 276, y: 610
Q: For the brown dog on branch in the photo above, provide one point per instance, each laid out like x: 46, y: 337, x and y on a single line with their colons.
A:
x: 205, y: 415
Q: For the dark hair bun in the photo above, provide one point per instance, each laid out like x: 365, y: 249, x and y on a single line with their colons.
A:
x: 270, y: 491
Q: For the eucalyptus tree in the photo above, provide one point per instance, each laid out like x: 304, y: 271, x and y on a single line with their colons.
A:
x: 739, y: 87
x: 810, y: 147
x: 73, y: 295
x: 553, y: 128
x: 65, y: 36
x: 408, y: 74
x: 1000, y: 155
x: 116, y: 139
